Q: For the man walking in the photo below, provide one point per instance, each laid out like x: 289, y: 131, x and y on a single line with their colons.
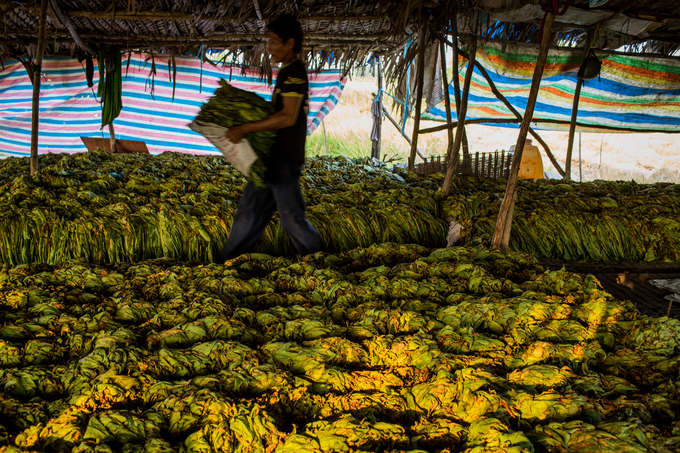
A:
x: 284, y: 163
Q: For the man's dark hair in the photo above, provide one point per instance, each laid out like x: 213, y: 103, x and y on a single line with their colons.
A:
x: 286, y: 27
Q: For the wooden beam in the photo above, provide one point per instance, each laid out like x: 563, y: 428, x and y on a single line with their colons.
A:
x: 144, y: 41
x: 447, y: 99
x: 430, y: 130
x: 167, y: 15
x: 183, y: 42
x: 419, y: 91
x: 344, y: 18
x: 608, y: 128
x: 250, y: 38
x: 37, y: 72
x: 461, y: 114
x: 454, y: 125
x: 501, y: 235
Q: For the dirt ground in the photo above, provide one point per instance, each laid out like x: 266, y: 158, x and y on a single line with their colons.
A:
x: 643, y: 157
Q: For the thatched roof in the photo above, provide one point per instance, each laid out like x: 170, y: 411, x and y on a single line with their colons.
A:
x: 343, y: 32
x: 644, y: 26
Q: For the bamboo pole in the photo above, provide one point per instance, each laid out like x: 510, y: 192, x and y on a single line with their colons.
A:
x: 112, y: 137
x: 461, y: 114
x: 37, y: 72
x: 419, y: 92
x: 447, y: 99
x: 456, y: 80
x: 501, y: 236
x: 572, y: 128
x: 375, y: 148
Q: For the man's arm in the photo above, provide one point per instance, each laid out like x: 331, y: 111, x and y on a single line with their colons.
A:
x: 285, y: 117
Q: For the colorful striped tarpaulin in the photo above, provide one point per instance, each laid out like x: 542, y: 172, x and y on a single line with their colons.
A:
x: 69, y: 109
x: 631, y: 94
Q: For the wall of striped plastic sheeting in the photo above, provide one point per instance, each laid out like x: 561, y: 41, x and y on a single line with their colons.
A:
x: 69, y: 109
x: 631, y: 92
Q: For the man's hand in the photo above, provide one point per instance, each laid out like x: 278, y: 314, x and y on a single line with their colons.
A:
x: 236, y: 133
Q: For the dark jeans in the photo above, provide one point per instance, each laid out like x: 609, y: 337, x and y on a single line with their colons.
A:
x: 255, y: 210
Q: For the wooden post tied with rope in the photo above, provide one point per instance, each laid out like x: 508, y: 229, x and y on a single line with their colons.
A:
x: 37, y: 72
x: 375, y: 146
x: 447, y: 97
x: 419, y: 91
x: 461, y: 115
x: 590, y: 67
x: 501, y: 236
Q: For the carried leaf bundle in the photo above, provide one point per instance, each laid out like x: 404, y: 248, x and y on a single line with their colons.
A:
x: 229, y: 107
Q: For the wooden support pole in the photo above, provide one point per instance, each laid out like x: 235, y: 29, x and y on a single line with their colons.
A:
x: 572, y: 128
x: 577, y: 96
x: 447, y: 99
x: 325, y: 140
x: 501, y: 235
x: 419, y: 92
x: 508, y: 226
x: 375, y: 148
x: 37, y: 73
x: 456, y: 81
x: 461, y: 114
x: 112, y: 137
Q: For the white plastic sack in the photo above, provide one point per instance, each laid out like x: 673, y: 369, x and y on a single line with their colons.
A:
x: 455, y: 232
x: 240, y: 155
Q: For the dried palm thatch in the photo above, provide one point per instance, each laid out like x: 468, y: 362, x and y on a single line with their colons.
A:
x: 336, y: 32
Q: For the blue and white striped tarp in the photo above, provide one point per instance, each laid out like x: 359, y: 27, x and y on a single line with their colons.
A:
x: 69, y: 109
